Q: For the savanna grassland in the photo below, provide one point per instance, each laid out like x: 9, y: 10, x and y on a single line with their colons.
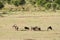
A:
x: 30, y: 13
x: 30, y: 19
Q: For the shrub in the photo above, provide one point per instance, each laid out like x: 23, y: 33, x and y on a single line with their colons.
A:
x: 48, y: 6
x: 33, y: 2
x: 22, y: 2
x: 8, y: 1
x: 57, y: 1
x: 41, y: 2
x: 19, y: 2
x: 54, y: 6
x: 1, y: 5
x: 16, y: 3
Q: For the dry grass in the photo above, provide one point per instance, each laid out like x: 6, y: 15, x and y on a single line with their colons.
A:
x: 29, y: 19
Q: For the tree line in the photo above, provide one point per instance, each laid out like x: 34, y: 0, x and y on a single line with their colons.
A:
x: 48, y: 4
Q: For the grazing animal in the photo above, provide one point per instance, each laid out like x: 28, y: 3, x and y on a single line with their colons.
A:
x: 16, y: 27
x: 36, y: 29
x: 39, y: 29
x: 26, y: 28
x: 49, y: 28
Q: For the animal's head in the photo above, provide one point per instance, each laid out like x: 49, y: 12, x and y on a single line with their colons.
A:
x: 14, y: 25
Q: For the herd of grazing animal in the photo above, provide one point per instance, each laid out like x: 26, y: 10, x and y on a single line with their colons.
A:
x: 36, y: 28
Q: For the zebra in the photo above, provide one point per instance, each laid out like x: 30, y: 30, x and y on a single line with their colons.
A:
x: 49, y: 28
x: 35, y: 28
x: 26, y: 28
x: 16, y: 27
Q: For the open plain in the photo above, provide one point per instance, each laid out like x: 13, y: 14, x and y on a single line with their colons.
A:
x: 30, y: 19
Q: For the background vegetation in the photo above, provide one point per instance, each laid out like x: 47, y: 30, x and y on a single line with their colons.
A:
x: 26, y: 5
